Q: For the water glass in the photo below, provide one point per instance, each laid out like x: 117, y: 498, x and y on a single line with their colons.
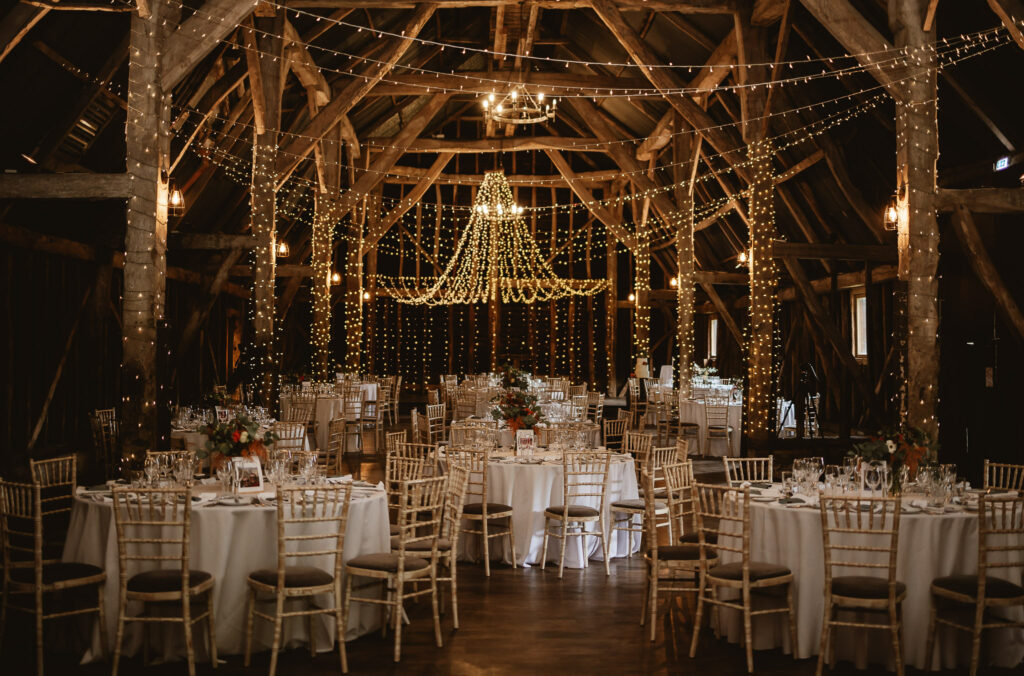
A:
x: 873, y: 474
x: 787, y: 483
x: 152, y: 468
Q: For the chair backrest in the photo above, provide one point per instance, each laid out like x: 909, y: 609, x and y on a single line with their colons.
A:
x: 392, y: 439
x: 1000, y: 539
x: 106, y: 416
x: 435, y: 422
x: 465, y: 405
x: 433, y: 397
x: 474, y: 461
x: 682, y: 449
x: 352, y: 403
x: 154, y: 527
x: 860, y: 536
x: 420, y: 507
x: 330, y: 458
x: 654, y: 463
x: 578, y: 390
x: 1003, y: 475
x: 680, y: 497
x: 738, y: 470
x: 454, y: 500
x: 21, y: 529
x: 585, y: 478
x: 716, y: 413
x: 57, y: 481
x: 723, y: 517
x: 615, y: 434
x: 299, y: 411
x: 595, y: 406
x: 424, y: 454
x: 311, y: 522
x: 55, y: 472
x: 639, y: 445
x: 634, y: 389
x: 291, y: 435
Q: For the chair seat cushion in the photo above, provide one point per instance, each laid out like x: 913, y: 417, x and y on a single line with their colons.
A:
x: 294, y: 576
x: 156, y: 581
x: 688, y: 426
x: 968, y: 586
x: 443, y: 545
x: 758, y: 571
x: 638, y: 504
x: 719, y: 428
x: 682, y: 553
x: 864, y: 587
x: 56, y: 572
x: 386, y: 562
x: 477, y: 508
x: 694, y: 538
x: 580, y: 511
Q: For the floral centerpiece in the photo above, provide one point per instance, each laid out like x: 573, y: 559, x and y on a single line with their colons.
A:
x: 702, y: 372
x: 237, y: 437
x: 511, y: 377
x: 900, y: 447
x: 213, y: 400
x: 517, y: 408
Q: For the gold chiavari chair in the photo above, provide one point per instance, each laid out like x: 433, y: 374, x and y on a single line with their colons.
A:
x: 374, y: 413
x: 465, y: 405
x: 615, y: 434
x: 639, y: 445
x: 311, y: 522
x: 584, y: 480
x: 682, y: 449
x: 291, y: 436
x: 595, y: 407
x: 330, y: 458
x: 352, y: 405
x: 738, y: 470
x: 716, y: 414
x: 302, y: 409
x: 477, y: 508
x: 420, y: 513
x: 392, y: 439
x: 31, y: 570
x: 105, y: 438
x: 623, y: 512
x: 723, y: 516
x: 1000, y: 552
x: 436, y: 427
x: 1003, y: 476
x: 154, y: 527
x: 861, y: 537
x: 447, y: 543
x: 577, y: 390
x: 670, y: 568
x: 637, y: 406
x: 433, y: 396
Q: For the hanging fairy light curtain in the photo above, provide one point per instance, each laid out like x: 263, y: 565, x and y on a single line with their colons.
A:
x: 497, y: 257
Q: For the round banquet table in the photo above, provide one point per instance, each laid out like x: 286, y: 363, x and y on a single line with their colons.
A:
x: 930, y: 546
x: 530, y: 489
x: 692, y: 411
x: 191, y: 440
x: 228, y: 542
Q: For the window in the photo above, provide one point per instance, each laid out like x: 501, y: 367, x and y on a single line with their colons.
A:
x: 713, y: 338
x: 859, y: 323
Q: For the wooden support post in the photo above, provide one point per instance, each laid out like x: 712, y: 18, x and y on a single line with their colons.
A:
x: 322, y: 239
x: 917, y: 151
x: 370, y: 324
x: 266, y: 66
x: 642, y: 291
x: 611, y: 314
x: 760, y: 399
x: 145, y: 264
x: 683, y: 152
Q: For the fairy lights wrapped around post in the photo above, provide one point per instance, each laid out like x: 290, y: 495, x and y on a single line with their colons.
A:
x: 321, y: 282
x: 763, y: 280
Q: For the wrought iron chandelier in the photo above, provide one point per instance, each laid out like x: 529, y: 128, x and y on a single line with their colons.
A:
x: 519, y: 107
x: 497, y: 258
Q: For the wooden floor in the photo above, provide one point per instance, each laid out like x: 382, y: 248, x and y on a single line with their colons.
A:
x: 518, y: 621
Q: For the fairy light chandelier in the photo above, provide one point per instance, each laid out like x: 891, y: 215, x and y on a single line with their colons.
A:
x: 497, y: 258
x: 519, y: 107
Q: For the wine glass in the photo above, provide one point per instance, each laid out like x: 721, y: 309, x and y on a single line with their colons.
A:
x: 183, y: 470
x: 873, y: 476
x: 832, y: 474
x: 152, y: 468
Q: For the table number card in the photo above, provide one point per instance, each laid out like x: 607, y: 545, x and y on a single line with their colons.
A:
x: 525, y: 443
x: 248, y: 474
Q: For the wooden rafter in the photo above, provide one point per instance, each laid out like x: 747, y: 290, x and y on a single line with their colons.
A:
x: 1011, y: 12
x: 408, y: 200
x: 198, y: 35
x: 606, y: 216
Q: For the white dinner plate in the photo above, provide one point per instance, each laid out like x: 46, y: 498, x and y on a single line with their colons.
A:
x: 763, y: 498
x: 234, y: 500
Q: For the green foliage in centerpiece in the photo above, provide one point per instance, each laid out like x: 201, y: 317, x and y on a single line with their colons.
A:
x: 904, y: 446
x: 517, y: 408
x: 238, y: 437
x: 511, y: 377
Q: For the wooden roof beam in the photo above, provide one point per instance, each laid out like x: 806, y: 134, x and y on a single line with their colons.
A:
x: 1011, y: 12
x: 16, y: 24
x: 65, y: 186
x: 842, y: 252
x: 611, y: 220
x: 723, y: 139
x: 198, y: 35
x: 350, y: 94
x: 684, y: 6
x: 981, y: 200
x: 407, y: 202
x: 499, y: 145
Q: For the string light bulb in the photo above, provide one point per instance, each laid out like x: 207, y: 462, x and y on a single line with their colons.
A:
x: 335, y: 278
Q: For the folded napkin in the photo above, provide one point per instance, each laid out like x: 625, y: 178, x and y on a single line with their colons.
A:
x: 791, y: 501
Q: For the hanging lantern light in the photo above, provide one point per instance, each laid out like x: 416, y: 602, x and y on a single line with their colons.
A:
x: 892, y: 214
x: 674, y: 282
x: 335, y: 278
x: 282, y: 249
x: 175, y: 201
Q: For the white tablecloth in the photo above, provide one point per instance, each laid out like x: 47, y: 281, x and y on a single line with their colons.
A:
x: 228, y: 543
x: 930, y: 547
x: 530, y: 489
x: 693, y: 412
